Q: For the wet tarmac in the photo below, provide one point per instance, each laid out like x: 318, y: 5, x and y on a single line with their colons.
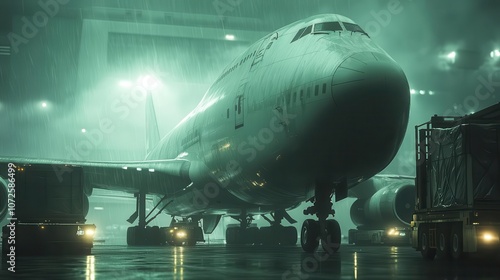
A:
x: 247, y: 262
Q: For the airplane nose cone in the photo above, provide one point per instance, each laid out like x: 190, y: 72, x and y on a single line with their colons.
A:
x: 372, y: 99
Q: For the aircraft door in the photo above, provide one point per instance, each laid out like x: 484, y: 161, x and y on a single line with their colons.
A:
x: 239, y: 111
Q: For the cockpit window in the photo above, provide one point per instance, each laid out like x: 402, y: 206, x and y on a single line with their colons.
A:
x: 354, y: 28
x: 302, y: 32
x: 327, y: 26
x: 297, y: 36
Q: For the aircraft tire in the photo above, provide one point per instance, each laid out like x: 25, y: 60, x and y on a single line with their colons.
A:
x: 289, y: 235
x: 131, y: 236
x: 333, y: 237
x: 309, y: 235
x: 252, y: 235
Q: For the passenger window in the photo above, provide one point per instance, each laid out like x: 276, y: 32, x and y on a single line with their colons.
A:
x: 324, y: 88
x: 308, y: 93
x: 301, y: 94
x: 316, y: 90
x: 294, y: 97
x: 288, y: 98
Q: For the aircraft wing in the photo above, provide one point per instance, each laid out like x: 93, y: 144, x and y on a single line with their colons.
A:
x: 152, y: 176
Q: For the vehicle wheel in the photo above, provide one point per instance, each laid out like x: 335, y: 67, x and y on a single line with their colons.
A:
x: 333, y: 237
x: 443, y: 242
x: 309, y: 235
x: 427, y: 252
x: 457, y: 242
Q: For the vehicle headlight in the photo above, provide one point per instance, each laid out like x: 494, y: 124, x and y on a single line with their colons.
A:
x: 393, y: 232
x: 181, y: 234
x: 489, y: 237
x: 89, y: 232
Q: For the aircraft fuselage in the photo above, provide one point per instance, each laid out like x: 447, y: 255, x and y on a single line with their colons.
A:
x: 287, y: 112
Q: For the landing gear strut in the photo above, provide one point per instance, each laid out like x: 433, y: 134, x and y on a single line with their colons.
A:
x: 143, y: 235
x: 328, y: 231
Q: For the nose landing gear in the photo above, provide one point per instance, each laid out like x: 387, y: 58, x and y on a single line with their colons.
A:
x: 328, y: 231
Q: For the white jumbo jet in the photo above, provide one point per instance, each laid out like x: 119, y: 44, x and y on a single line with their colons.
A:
x: 308, y: 111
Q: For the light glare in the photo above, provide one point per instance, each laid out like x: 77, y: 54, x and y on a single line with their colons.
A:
x: 149, y: 82
x: 230, y: 37
x: 488, y: 237
x: 452, y: 55
x: 125, y: 84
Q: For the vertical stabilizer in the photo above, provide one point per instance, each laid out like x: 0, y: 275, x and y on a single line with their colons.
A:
x: 152, y: 134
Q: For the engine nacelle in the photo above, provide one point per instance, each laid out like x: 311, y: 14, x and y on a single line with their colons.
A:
x: 390, y: 206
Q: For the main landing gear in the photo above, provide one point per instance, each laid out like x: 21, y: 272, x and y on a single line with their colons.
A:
x: 141, y: 235
x: 276, y: 234
x: 244, y: 233
x: 328, y: 231
x: 186, y: 231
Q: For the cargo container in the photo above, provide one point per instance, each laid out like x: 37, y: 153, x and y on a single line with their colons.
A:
x: 457, y: 210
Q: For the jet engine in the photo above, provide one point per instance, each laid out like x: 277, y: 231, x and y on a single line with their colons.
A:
x: 391, y: 205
